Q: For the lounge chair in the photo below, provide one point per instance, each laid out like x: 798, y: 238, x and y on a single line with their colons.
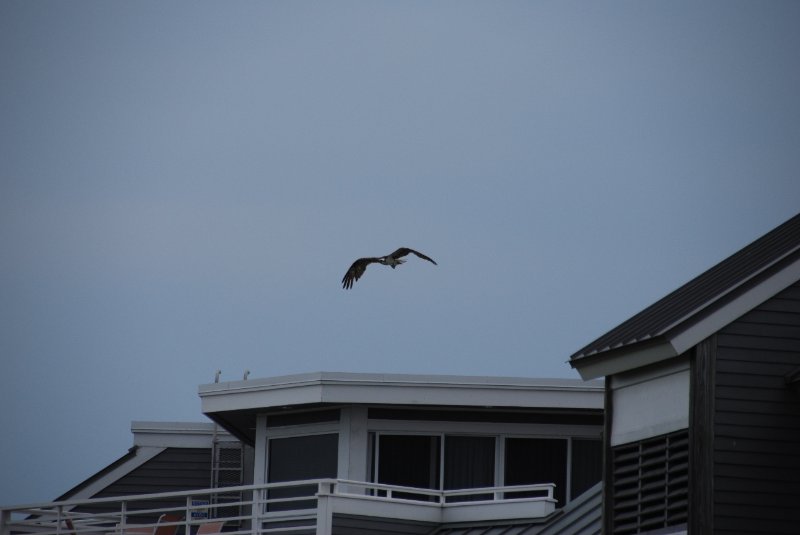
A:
x: 168, y: 529
x: 210, y: 528
x: 158, y: 529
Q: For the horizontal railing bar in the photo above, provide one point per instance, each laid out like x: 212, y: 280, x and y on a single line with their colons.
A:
x: 42, y: 509
x: 161, y: 495
x: 435, y: 492
x: 52, y: 518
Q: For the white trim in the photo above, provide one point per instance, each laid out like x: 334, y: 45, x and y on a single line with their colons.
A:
x: 737, y: 308
x: 177, y: 434
x: 357, y: 452
x: 285, y: 431
x: 626, y: 359
x: 261, y: 451
x: 411, y: 390
x: 680, y: 341
x: 648, y: 402
x: 486, y: 428
x: 500, y: 460
x: 343, y: 448
x: 642, y: 375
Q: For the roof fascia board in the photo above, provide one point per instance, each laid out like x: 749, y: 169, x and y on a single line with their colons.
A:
x: 254, y: 398
x: 399, y: 389
x: 736, y: 308
x: 679, y: 341
x: 623, y: 359
x: 177, y: 434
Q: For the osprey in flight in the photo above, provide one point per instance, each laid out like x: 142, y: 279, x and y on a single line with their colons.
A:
x: 393, y: 260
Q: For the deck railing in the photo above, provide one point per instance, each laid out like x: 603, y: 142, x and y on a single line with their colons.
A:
x: 256, y: 510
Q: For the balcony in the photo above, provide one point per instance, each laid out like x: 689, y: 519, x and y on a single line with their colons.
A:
x: 318, y: 506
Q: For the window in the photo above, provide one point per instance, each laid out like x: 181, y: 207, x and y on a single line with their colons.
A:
x: 417, y: 461
x: 409, y: 461
x: 297, y: 459
x: 468, y: 464
x: 454, y: 462
x: 537, y: 460
x: 587, y: 465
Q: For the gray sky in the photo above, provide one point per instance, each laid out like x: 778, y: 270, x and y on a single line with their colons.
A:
x: 184, y: 184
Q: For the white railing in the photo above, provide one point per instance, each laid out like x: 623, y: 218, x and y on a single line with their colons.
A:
x: 539, y: 491
x: 246, y: 510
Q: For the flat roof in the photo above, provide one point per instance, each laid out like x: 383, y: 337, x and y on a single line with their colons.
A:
x: 400, y: 389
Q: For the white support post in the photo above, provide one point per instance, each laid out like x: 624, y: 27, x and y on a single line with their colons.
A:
x: 261, y: 452
x: 260, y: 463
x: 187, y: 518
x: 256, y: 510
x: 343, y: 462
x: 324, y: 512
x: 123, y: 516
x: 358, y: 451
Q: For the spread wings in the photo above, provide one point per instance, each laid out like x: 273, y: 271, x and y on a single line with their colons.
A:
x: 356, y: 270
x: 403, y: 251
x: 360, y: 266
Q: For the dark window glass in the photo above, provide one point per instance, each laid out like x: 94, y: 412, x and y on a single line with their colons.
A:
x: 297, y: 459
x: 468, y: 464
x: 537, y: 460
x: 587, y: 465
x: 409, y: 461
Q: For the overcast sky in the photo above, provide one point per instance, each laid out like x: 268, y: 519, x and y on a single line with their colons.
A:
x: 184, y: 184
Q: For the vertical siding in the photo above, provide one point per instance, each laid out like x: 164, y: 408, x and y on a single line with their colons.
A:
x: 757, y: 420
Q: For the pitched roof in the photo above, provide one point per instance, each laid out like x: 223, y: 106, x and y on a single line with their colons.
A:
x: 704, y: 294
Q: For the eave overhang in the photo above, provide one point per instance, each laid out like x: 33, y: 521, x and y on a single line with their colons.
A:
x: 235, y: 404
x: 396, y: 389
x: 695, y: 327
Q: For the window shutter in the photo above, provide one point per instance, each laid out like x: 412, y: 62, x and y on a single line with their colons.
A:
x: 650, y: 483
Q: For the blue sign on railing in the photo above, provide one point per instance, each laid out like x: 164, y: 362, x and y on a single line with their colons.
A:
x: 199, y: 509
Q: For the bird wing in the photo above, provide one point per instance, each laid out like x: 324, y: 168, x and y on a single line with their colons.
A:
x: 356, y: 270
x: 405, y: 250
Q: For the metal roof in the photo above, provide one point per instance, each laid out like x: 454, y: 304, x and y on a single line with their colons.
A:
x: 697, y: 297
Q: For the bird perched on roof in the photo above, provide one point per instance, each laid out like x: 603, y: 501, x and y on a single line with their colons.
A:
x: 393, y: 260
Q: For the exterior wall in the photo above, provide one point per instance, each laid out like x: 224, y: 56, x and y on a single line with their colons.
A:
x: 360, y: 428
x: 174, y: 469
x: 756, y: 442
x: 650, y: 401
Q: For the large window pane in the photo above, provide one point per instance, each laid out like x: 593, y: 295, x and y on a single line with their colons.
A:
x: 297, y: 459
x: 409, y: 461
x: 468, y: 464
x: 537, y: 460
x: 587, y: 465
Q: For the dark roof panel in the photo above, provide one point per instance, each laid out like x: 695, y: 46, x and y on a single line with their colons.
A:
x: 702, y: 292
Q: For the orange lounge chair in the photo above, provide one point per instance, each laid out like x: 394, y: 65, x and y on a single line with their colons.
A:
x: 210, y: 528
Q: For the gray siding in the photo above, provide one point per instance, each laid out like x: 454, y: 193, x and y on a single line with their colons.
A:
x: 175, y: 469
x: 757, y: 420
